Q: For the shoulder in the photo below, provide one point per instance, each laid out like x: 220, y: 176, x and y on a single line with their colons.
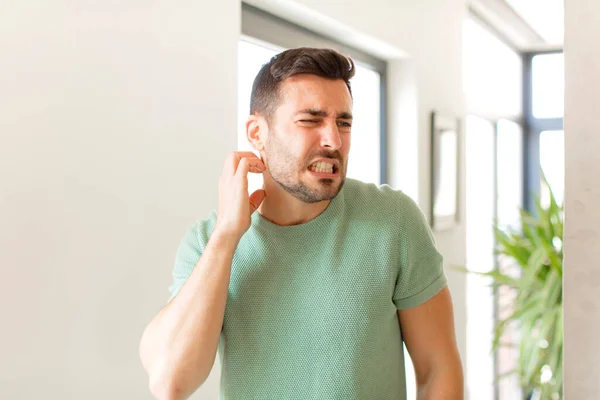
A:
x: 197, y: 234
x: 380, y: 200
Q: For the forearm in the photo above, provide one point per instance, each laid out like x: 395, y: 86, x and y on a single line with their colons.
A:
x: 179, y: 346
x: 442, y: 384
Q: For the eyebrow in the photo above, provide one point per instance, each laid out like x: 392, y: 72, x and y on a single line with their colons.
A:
x: 322, y: 113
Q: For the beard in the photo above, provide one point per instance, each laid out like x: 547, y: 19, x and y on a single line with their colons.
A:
x: 285, y: 168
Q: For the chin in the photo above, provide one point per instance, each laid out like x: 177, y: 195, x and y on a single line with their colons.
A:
x: 312, y: 189
x: 327, y: 188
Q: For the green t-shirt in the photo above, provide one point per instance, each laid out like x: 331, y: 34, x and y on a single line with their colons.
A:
x: 312, y: 309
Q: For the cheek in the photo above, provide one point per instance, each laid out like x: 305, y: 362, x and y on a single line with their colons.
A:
x: 346, y: 142
x: 284, y: 149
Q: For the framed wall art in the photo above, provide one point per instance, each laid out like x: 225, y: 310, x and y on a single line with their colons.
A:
x: 445, y: 136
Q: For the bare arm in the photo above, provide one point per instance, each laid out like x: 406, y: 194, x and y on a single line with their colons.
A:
x: 179, y: 346
x: 428, y: 331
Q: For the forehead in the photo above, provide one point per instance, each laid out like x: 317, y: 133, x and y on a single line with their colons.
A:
x: 310, y: 91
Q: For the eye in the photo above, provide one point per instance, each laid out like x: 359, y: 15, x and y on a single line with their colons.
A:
x: 344, y: 124
x: 310, y: 121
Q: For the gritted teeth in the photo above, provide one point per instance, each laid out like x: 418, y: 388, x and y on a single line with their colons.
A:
x: 323, y: 166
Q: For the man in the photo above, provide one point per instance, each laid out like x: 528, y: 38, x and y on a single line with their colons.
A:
x: 309, y: 286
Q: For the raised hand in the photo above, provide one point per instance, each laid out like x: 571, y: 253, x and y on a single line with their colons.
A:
x: 235, y: 205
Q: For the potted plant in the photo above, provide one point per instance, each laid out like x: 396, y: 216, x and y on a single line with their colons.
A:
x: 534, y: 251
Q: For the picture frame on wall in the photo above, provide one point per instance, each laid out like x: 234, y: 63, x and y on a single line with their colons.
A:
x: 445, y: 137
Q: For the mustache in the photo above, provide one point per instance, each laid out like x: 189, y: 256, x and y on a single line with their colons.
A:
x: 336, y: 155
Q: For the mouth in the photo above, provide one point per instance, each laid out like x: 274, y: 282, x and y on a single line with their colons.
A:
x: 325, y: 168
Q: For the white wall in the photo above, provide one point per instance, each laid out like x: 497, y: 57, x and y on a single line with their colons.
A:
x: 582, y: 196
x: 115, y: 118
x: 115, y: 121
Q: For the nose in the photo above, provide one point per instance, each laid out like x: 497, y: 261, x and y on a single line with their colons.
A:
x: 330, y: 136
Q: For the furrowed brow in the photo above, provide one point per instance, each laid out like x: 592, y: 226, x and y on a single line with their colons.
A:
x: 314, y: 112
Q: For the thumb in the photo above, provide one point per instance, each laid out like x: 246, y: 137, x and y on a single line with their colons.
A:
x: 257, y: 198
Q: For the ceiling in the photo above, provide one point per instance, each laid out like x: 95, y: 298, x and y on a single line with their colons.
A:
x: 527, y: 25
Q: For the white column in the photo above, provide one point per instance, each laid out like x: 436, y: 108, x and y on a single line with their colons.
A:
x: 582, y: 200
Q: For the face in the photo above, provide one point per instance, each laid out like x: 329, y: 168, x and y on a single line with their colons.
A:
x: 308, y: 140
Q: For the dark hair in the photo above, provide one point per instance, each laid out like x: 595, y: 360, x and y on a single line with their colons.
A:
x: 326, y: 63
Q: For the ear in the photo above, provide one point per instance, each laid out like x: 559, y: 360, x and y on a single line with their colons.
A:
x: 256, y: 132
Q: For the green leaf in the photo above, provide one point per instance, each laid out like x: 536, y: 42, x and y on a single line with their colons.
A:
x: 506, y: 374
x: 553, y: 288
x: 535, y: 279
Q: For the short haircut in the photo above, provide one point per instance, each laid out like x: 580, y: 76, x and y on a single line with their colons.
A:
x: 325, y: 63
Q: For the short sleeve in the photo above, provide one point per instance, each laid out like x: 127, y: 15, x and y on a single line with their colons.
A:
x: 188, y: 253
x: 421, y: 271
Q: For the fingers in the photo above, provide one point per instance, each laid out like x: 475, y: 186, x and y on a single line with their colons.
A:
x: 257, y: 198
x: 256, y: 165
x: 243, y: 168
x: 233, y: 161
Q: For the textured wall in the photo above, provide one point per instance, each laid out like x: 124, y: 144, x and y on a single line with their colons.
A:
x: 582, y: 200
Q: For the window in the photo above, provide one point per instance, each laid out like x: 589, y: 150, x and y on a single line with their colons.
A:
x: 494, y: 192
x: 480, y: 180
x: 510, y: 172
x: 552, y: 163
x: 364, y: 159
x: 509, y: 175
x: 264, y: 36
x: 492, y: 74
x: 493, y: 78
x: 514, y: 133
x: 548, y: 85
x: 544, y: 111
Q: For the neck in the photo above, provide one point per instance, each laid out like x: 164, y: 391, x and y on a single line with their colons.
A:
x: 282, y: 208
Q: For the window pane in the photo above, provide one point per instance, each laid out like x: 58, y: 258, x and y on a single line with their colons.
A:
x: 364, y: 157
x: 552, y: 162
x: 510, y: 198
x: 492, y: 74
x: 480, y: 245
x: 548, y: 85
x: 510, y: 172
